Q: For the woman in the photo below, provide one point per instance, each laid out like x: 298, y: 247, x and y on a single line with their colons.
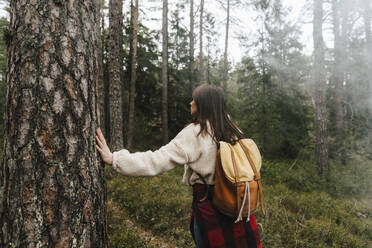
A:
x: 195, y: 147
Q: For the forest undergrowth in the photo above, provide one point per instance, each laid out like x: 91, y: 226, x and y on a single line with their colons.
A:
x: 302, y: 209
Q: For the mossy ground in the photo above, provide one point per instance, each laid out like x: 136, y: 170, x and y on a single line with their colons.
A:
x: 302, y: 209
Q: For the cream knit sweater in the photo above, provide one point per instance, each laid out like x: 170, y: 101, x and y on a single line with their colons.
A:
x: 196, y: 153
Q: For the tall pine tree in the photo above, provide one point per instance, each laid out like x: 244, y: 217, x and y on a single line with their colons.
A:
x: 52, y: 187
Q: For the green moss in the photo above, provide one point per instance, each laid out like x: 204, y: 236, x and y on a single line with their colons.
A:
x: 160, y: 204
x: 299, y: 214
x: 313, y: 219
x: 120, y: 235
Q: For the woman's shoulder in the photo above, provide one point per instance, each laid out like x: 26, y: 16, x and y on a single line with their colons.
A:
x: 187, y: 137
x: 193, y: 131
x: 193, y: 126
x: 190, y: 129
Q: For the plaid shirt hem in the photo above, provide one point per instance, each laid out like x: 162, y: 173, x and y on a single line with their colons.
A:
x: 218, y: 230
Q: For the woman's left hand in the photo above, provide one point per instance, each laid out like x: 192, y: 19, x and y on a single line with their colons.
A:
x: 103, y: 148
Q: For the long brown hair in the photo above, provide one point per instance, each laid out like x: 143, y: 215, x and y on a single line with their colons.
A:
x: 211, y: 107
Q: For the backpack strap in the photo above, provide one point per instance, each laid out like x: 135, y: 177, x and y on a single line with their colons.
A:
x: 202, y: 178
x: 207, y: 185
x: 236, y: 172
x: 237, y: 178
x: 257, y: 176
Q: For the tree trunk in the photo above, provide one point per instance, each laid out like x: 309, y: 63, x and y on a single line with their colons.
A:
x: 106, y: 84
x: 101, y: 83
x: 115, y: 70
x: 338, y: 78
x: 52, y: 188
x: 345, y: 27
x: 201, y: 67
x: 225, y: 66
x: 165, y: 73
x: 367, y: 27
x: 208, y: 62
x: 192, y: 84
x: 264, y: 81
x: 321, y: 146
x: 338, y: 74
x: 133, y: 74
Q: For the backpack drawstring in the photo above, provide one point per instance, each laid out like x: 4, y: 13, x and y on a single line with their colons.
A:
x: 249, y: 203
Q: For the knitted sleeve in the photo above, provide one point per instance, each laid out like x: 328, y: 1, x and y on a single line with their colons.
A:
x: 183, y: 149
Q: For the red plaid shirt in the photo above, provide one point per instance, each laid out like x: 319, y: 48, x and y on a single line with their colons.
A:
x: 218, y: 230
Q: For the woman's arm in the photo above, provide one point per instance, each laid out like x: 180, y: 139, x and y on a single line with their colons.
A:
x: 149, y: 163
x: 183, y: 149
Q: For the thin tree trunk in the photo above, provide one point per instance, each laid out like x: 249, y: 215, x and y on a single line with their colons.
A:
x: 201, y: 66
x: 133, y: 74
x: 262, y: 90
x: 321, y: 134
x: 165, y: 73
x: 192, y: 84
x: 338, y: 74
x: 52, y: 187
x: 225, y: 66
x: 208, y: 62
x: 106, y: 83
x: 102, y: 13
x: 367, y: 27
x: 101, y: 83
x: 338, y: 78
x: 345, y: 27
x: 263, y: 96
x: 115, y: 71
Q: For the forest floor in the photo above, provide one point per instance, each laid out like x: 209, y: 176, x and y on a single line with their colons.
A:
x: 145, y: 237
x: 155, y: 212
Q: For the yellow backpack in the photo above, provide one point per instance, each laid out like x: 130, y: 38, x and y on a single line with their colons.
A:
x: 237, y: 186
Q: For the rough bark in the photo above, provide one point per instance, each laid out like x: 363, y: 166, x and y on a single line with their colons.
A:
x: 133, y: 74
x: 191, y: 76
x: 52, y: 188
x: 201, y: 65
x: 165, y: 73
x: 225, y: 69
x: 115, y: 51
x: 321, y: 133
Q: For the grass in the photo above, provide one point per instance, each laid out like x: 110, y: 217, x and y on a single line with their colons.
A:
x: 313, y: 219
x: 302, y: 210
x: 161, y: 204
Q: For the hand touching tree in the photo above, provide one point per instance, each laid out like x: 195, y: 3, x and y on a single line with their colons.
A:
x: 103, y: 148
